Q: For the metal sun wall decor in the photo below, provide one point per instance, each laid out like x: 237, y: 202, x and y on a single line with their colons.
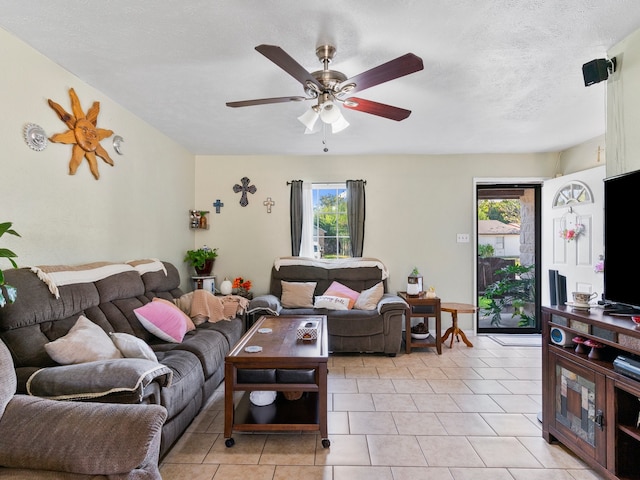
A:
x: 244, y: 187
x: 83, y: 134
x: 35, y: 137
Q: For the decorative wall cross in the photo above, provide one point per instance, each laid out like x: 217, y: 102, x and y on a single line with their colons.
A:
x: 244, y: 188
x: 218, y: 204
x: 268, y: 203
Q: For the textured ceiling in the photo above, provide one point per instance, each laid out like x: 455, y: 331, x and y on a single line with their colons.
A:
x: 500, y: 75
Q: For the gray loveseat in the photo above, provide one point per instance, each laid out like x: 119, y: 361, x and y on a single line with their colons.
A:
x: 185, y: 377
x: 354, y: 330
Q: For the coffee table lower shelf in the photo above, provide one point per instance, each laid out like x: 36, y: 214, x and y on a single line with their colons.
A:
x: 282, y: 415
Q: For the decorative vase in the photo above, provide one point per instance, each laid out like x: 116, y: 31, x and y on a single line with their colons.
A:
x: 226, y: 287
x: 203, y: 221
x: 206, y: 269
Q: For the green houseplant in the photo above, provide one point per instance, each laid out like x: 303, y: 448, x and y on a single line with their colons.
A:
x: 5, y: 289
x: 516, y: 289
x: 201, y: 259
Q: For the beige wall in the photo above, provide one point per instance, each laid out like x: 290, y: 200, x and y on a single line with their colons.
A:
x: 623, y: 107
x: 138, y: 208
x: 415, y: 207
x: 587, y: 155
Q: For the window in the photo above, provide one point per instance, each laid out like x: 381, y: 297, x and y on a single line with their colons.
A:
x: 330, y: 228
x: 572, y: 193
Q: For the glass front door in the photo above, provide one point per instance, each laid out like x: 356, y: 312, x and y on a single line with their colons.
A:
x: 508, y: 239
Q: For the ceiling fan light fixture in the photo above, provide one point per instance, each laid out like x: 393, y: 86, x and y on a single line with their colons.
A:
x: 330, y: 112
x: 309, y: 119
x: 339, y: 124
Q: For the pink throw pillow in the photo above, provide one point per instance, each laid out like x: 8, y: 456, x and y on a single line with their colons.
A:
x: 336, y: 289
x: 188, y: 321
x: 163, y: 321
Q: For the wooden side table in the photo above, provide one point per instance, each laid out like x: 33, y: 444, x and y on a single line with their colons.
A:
x: 454, y: 330
x: 425, y: 308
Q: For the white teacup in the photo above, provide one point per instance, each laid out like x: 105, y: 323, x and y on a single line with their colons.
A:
x: 583, y: 298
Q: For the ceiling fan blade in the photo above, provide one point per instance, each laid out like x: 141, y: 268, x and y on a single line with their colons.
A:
x: 399, y: 67
x: 263, y: 101
x: 375, y: 108
x: 281, y: 58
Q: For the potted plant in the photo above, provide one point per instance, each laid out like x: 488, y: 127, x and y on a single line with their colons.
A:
x: 201, y: 259
x: 514, y: 289
x: 5, y: 289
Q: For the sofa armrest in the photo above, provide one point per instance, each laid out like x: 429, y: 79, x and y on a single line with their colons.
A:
x: 85, y: 381
x: 269, y: 304
x: 81, y: 437
x: 390, y: 302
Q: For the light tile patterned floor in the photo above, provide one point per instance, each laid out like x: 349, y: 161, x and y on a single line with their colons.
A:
x: 470, y: 413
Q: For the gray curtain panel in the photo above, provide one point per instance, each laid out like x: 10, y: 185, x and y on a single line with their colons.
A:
x: 295, y: 205
x: 356, y: 215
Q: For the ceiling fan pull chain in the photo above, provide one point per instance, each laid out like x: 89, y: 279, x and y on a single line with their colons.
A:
x: 324, y: 139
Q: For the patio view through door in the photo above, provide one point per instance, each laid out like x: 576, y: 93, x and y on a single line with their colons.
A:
x: 509, y: 256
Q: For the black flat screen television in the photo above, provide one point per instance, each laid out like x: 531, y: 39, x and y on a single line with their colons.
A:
x: 621, y: 246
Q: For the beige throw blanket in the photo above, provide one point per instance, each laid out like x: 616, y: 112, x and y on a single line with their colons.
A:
x: 148, y: 265
x: 333, y: 263
x: 58, y: 275
x: 203, y: 306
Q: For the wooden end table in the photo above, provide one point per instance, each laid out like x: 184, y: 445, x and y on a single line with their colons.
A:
x: 455, y: 332
x: 425, y: 308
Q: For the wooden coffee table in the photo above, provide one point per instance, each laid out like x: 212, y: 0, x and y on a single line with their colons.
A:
x: 283, y: 360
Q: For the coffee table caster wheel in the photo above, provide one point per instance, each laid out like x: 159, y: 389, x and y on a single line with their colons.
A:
x: 326, y: 443
x: 229, y: 442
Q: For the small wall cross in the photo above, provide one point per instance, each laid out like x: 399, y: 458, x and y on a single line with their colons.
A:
x: 244, y: 188
x: 218, y: 204
x: 268, y: 203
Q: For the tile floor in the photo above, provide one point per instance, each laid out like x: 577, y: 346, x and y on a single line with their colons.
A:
x: 470, y: 413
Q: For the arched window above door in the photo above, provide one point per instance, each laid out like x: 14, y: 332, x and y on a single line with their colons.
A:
x: 571, y: 193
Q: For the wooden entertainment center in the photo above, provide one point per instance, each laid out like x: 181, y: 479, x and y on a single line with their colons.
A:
x: 588, y: 406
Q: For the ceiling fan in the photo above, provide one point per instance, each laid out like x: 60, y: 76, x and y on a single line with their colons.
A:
x: 330, y: 87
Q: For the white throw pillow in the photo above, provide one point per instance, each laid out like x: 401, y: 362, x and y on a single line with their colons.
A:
x: 85, y: 342
x: 331, y: 303
x: 369, y: 298
x: 132, y: 347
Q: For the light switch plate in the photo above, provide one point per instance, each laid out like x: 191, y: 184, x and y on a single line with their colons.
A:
x: 462, y: 238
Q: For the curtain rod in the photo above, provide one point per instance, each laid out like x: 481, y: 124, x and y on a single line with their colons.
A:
x: 324, y: 183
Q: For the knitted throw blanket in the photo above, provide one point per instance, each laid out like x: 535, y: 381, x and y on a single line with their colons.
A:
x: 58, y: 275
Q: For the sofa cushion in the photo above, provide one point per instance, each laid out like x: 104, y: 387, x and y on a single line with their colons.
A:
x: 85, y: 342
x: 355, y: 323
x: 331, y: 303
x: 297, y: 294
x: 186, y: 384
x: 369, y: 298
x: 337, y: 289
x: 131, y: 346
x: 165, y: 322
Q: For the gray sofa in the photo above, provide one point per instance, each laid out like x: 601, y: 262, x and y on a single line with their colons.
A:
x: 187, y: 374
x: 354, y: 330
x: 46, y: 439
